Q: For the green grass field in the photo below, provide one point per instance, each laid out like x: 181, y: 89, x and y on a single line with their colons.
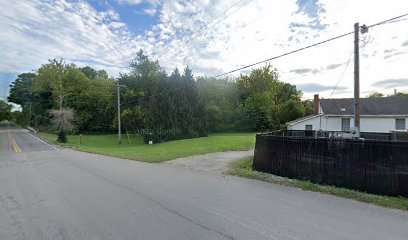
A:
x: 243, y: 168
x: 137, y: 150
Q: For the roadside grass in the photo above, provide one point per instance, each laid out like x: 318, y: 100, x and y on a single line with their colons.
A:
x: 243, y: 168
x: 137, y: 150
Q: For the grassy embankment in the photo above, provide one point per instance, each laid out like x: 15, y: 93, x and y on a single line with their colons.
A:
x: 243, y: 168
x: 137, y: 150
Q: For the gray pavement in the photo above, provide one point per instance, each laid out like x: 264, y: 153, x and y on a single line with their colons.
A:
x: 64, y: 194
x: 217, y: 162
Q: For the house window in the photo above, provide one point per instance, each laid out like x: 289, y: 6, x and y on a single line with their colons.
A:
x: 400, y: 124
x: 345, y: 124
x: 308, y: 127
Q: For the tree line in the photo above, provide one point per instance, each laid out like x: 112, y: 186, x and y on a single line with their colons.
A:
x: 157, y: 105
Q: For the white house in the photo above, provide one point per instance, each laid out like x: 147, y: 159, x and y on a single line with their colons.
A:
x: 381, y: 115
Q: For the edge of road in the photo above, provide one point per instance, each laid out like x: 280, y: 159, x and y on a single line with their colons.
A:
x: 43, y: 141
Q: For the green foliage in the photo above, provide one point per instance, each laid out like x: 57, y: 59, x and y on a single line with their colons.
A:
x: 89, y: 92
x: 62, y: 137
x: 161, y: 107
x: 155, y: 105
x: 291, y: 110
x: 264, y: 99
x: 308, y: 105
x: 375, y: 95
x: 395, y: 94
x: 222, y: 111
x: 5, y: 110
x: 399, y: 94
x: 21, y: 89
x: 21, y: 93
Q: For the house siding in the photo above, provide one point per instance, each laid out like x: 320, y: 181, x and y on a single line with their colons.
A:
x: 315, y: 122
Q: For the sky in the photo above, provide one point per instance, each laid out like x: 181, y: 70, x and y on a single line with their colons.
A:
x: 212, y: 37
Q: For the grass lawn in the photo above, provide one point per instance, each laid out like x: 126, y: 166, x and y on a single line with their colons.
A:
x: 243, y: 168
x: 137, y: 150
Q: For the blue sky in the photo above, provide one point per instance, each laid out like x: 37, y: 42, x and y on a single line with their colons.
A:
x: 212, y: 37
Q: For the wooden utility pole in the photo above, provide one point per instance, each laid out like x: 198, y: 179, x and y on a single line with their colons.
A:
x: 119, y: 121
x: 119, y: 126
x: 356, y: 77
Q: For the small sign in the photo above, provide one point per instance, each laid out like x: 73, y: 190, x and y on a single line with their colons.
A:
x: 150, y: 142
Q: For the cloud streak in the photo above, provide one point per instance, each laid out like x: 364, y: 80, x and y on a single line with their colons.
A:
x: 316, y: 88
x: 391, y: 83
x: 211, y: 40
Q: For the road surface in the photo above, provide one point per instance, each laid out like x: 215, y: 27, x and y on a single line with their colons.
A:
x: 63, y: 194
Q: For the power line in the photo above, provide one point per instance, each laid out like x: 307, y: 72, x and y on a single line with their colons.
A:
x: 310, y: 46
x: 285, y: 54
x: 226, y: 10
x: 391, y: 20
x: 342, y: 74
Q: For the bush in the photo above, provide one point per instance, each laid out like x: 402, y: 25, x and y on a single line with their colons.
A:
x: 62, y: 137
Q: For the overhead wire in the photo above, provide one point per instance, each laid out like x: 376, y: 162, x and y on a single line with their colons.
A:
x: 309, y: 46
x: 342, y: 74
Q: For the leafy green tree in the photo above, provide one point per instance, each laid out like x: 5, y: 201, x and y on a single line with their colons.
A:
x: 158, y: 106
x: 21, y: 89
x: 308, y: 105
x: 21, y: 93
x: 291, y: 110
x: 262, y: 95
x: 5, y: 110
x: 88, y: 92
x: 223, y: 112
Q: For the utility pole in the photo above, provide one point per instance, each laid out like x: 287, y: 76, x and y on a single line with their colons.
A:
x: 357, y: 78
x: 119, y: 127
x: 364, y: 29
x: 119, y: 121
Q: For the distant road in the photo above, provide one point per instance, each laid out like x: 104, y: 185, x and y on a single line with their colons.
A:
x: 47, y: 193
x: 14, y: 139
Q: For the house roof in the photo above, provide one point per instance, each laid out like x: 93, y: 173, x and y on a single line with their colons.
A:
x: 302, y: 119
x: 368, y: 106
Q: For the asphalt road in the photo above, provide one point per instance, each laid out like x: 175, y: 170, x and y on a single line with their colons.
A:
x: 63, y: 194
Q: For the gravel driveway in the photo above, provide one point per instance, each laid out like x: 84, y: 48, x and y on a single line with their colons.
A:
x: 210, y: 162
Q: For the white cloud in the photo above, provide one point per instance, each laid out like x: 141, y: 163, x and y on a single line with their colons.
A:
x: 188, y: 32
x: 129, y: 2
x: 34, y: 31
x: 150, y: 11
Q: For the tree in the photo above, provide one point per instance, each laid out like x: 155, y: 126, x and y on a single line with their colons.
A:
x: 21, y: 93
x: 291, y: 110
x: 221, y: 105
x: 51, y: 78
x: 262, y: 95
x: 308, y: 105
x: 21, y: 89
x: 5, y: 110
x: 398, y: 94
x: 159, y: 106
x: 62, y: 119
x: 375, y: 95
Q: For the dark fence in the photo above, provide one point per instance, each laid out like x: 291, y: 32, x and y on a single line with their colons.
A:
x: 376, y: 166
x: 330, y: 134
